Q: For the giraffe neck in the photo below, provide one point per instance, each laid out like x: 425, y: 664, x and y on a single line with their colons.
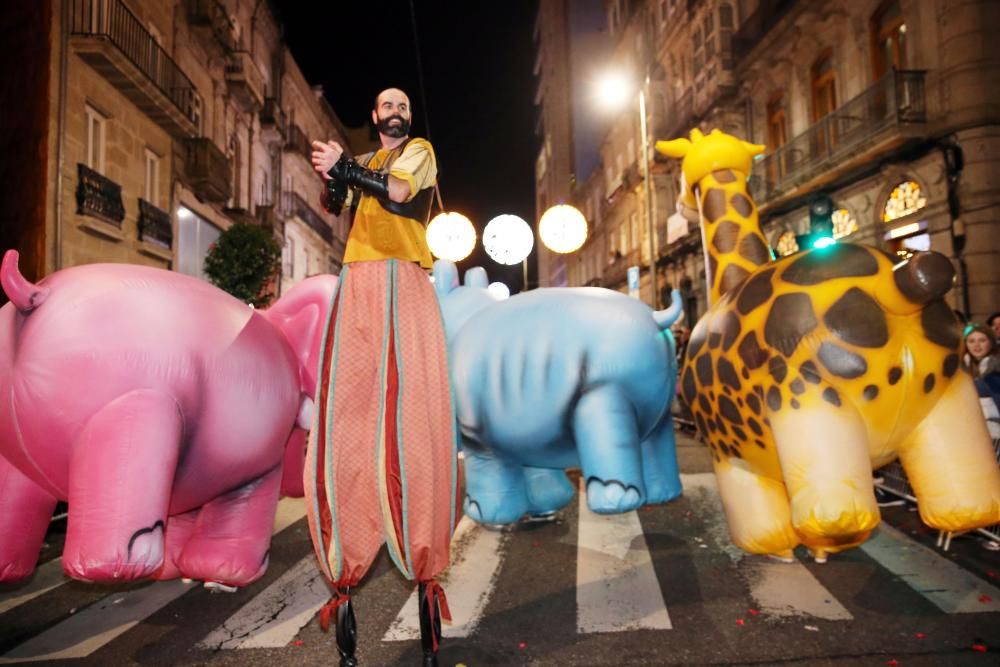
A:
x: 730, y: 231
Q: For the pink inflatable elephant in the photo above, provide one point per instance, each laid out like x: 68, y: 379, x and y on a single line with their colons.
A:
x: 161, y: 409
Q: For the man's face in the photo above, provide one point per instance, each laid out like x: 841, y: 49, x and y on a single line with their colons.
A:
x: 996, y: 326
x: 392, y: 113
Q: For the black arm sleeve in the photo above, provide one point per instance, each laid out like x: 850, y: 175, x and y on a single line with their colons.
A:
x: 367, y: 180
x: 334, y: 196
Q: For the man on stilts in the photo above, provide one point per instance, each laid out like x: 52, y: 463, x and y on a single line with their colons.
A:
x: 381, y: 461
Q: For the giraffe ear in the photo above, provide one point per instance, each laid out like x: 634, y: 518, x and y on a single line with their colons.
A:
x: 674, y: 148
x: 755, y: 149
x: 696, y: 135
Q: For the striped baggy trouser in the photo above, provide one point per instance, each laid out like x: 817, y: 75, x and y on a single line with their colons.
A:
x: 381, y: 460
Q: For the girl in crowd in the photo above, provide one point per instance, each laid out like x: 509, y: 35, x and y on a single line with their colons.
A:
x: 981, y: 354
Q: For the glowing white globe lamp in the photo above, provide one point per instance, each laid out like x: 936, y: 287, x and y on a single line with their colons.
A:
x: 451, y: 236
x: 508, y: 239
x: 563, y: 229
x: 499, y: 290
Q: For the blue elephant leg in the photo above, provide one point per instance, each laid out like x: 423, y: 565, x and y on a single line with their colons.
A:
x: 494, y: 489
x: 659, y: 463
x: 607, y: 438
x: 548, y: 489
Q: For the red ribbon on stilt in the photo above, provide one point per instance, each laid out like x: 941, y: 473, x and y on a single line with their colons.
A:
x: 435, y: 594
x: 329, y: 610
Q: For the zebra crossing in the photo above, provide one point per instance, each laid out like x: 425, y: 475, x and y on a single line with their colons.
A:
x: 628, y: 578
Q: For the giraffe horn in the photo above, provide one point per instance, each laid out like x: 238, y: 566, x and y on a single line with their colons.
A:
x: 674, y: 148
x: 755, y: 149
x: 696, y: 135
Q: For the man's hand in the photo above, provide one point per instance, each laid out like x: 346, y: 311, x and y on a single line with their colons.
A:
x: 325, y: 155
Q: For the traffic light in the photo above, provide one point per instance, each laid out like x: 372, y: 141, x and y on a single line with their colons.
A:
x: 820, y: 225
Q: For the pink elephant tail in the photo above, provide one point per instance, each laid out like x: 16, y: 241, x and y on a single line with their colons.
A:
x: 25, y: 295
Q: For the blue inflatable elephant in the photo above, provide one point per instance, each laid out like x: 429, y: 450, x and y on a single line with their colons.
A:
x: 558, y: 378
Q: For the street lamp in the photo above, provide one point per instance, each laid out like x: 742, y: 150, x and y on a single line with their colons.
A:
x: 451, y: 236
x: 508, y: 240
x: 563, y: 229
x: 614, y: 91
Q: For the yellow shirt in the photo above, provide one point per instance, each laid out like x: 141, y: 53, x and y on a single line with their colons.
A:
x: 378, y: 234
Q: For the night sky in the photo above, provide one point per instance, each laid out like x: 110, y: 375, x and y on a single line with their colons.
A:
x: 476, y: 58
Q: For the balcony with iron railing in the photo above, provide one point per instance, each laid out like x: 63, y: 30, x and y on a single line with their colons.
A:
x: 758, y: 24
x: 244, y: 80
x: 154, y: 225
x: 98, y: 196
x: 273, y: 122
x: 107, y: 36
x: 299, y: 207
x: 298, y: 142
x: 889, y: 113
x: 212, y: 15
x: 208, y: 170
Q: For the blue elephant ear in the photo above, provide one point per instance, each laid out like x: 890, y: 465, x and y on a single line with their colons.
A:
x: 445, y: 277
x: 476, y: 277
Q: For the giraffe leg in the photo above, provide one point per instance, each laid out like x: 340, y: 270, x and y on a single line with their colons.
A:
x: 950, y: 462
x: 823, y: 450
x: 756, y: 510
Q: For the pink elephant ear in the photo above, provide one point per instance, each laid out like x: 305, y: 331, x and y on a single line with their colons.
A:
x: 303, y: 331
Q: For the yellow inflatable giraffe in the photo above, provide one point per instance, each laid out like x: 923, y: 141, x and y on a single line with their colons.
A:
x: 809, y: 371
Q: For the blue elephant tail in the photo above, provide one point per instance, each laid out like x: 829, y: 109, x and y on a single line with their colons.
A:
x: 666, y: 318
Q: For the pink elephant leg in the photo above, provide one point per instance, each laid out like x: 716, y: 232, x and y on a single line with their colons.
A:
x: 179, y: 529
x: 232, y: 536
x: 121, y: 473
x: 25, y: 510
x: 292, y: 483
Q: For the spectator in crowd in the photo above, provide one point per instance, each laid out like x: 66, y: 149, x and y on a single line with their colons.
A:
x: 981, y: 355
x: 993, y: 322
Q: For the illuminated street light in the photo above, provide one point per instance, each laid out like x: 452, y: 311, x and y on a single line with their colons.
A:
x: 508, y: 239
x: 499, y: 290
x: 563, y: 229
x: 451, y: 236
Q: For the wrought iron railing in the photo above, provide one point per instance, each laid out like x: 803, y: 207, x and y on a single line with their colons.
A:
x: 896, y: 99
x: 272, y: 116
x: 154, y: 225
x: 111, y: 20
x: 208, y: 169
x: 99, y: 196
x: 767, y: 15
x: 298, y: 206
x: 298, y: 142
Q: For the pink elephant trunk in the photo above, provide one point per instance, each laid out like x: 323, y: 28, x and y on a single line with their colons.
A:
x: 25, y: 295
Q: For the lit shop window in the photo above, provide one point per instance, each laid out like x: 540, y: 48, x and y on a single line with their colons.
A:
x: 844, y: 223
x: 905, y: 198
x: 787, y: 244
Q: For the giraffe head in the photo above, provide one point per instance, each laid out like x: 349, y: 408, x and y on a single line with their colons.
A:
x: 703, y: 154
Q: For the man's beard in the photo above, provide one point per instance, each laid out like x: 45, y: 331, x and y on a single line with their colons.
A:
x: 394, y: 131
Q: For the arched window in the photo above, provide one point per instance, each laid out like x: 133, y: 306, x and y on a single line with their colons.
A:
x: 888, y: 31
x: 236, y: 161
x: 787, y: 244
x: 905, y: 198
x: 824, y: 94
x: 844, y: 223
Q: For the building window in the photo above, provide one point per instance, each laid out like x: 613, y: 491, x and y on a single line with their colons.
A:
x: 94, y: 157
x: 824, y: 95
x: 236, y: 160
x: 777, y: 136
x: 787, y: 244
x: 725, y: 17
x: 195, y: 237
x: 844, y: 223
x: 708, y: 27
x: 906, y: 198
x: 151, y: 190
x: 288, y: 258
x: 888, y: 39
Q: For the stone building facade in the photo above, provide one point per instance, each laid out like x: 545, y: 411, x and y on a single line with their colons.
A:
x: 886, y: 106
x: 166, y: 122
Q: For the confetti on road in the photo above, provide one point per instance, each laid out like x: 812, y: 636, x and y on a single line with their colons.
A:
x: 812, y: 628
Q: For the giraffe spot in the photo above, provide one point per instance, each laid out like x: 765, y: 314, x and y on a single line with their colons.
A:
x: 713, y: 205
x: 714, y: 339
x: 702, y: 427
x: 697, y: 339
x: 750, y: 352
x: 739, y: 401
x: 713, y: 269
x: 739, y: 433
x: 736, y: 451
x: 704, y: 404
x: 703, y: 368
x: 722, y: 426
x: 870, y: 392
x: 688, y: 388
x: 754, y: 249
x: 726, y: 233
x: 718, y: 459
x: 727, y: 374
x: 754, y: 426
x: 778, y: 369
x: 895, y: 373
x: 727, y: 391
x: 950, y: 365
x: 774, y: 398
x: 842, y: 260
x: 725, y: 448
x: 790, y: 319
x: 809, y: 372
x: 757, y: 291
x: 858, y: 319
x: 842, y: 363
x: 732, y: 277
x: 724, y: 176
x: 753, y: 403
x: 742, y: 204
x: 727, y: 325
x: 924, y: 276
x: 745, y: 373
x: 929, y: 383
x: 712, y: 427
x: 760, y: 444
x: 794, y: 403
x: 729, y: 410
x: 831, y: 396
x: 797, y: 386
x: 940, y: 325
